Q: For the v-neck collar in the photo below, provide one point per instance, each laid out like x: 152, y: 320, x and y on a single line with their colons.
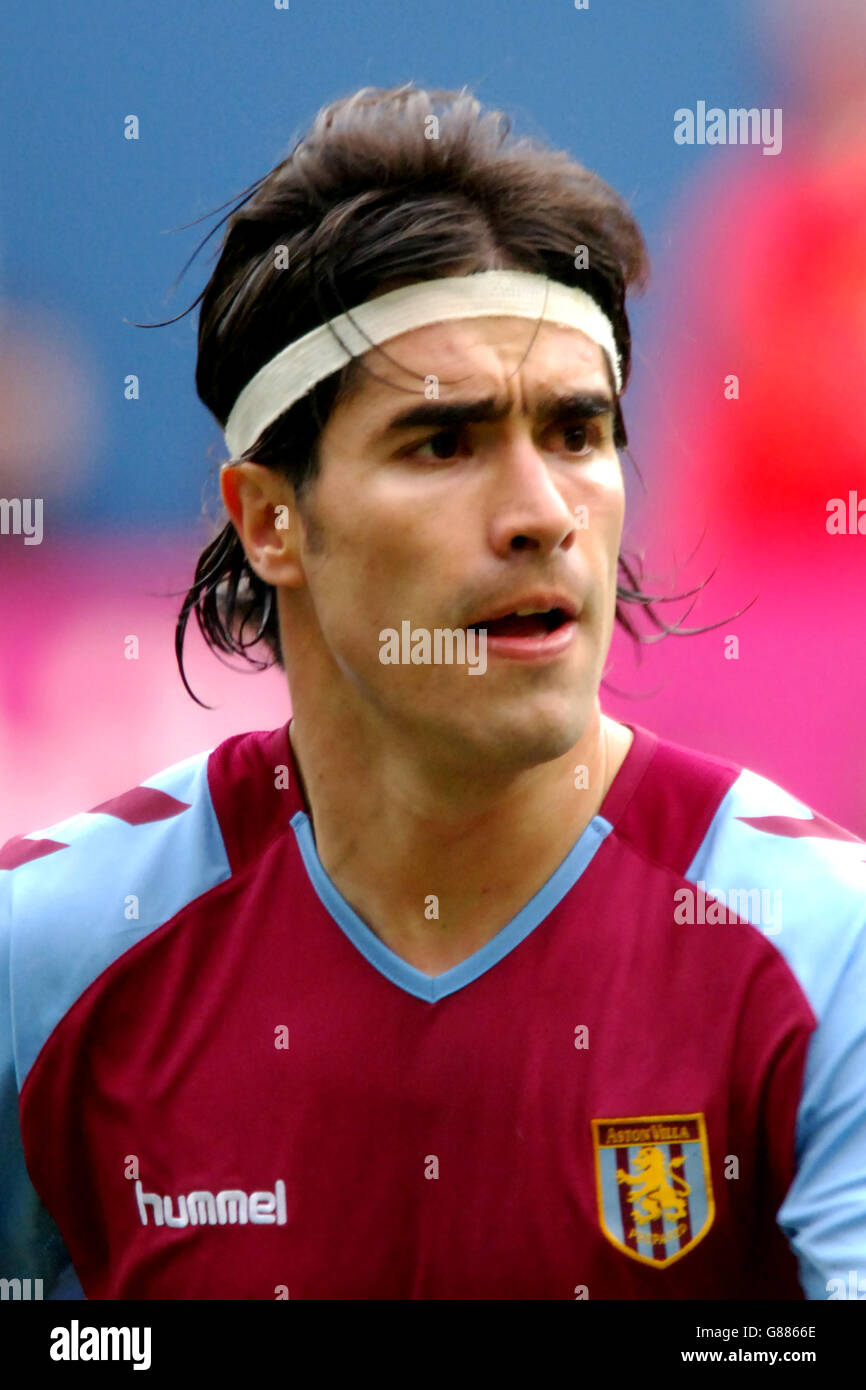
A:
x: 433, y: 987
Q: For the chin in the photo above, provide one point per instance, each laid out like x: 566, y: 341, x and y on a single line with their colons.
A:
x: 523, y: 737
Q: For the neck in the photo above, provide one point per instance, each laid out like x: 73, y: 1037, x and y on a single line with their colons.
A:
x: 403, y: 841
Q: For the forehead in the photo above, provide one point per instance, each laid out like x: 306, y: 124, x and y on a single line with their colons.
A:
x: 473, y: 354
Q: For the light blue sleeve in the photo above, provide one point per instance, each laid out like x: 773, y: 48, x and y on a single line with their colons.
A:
x: 824, y: 1212
x: 49, y: 957
x: 31, y: 1246
x: 764, y: 839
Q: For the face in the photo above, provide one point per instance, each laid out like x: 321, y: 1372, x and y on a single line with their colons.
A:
x: 450, y: 518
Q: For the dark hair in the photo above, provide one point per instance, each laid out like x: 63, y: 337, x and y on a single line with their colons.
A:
x: 388, y: 186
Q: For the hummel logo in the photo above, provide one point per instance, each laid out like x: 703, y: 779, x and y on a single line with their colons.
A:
x: 231, y: 1206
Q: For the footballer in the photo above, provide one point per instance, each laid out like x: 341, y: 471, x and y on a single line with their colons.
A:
x: 453, y: 987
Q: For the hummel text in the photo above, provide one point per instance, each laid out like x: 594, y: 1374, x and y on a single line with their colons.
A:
x: 230, y: 1207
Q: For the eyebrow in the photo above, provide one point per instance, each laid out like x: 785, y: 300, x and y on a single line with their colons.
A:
x: 551, y: 405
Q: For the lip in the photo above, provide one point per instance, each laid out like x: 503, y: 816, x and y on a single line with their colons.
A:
x: 544, y: 648
x: 543, y: 600
x: 539, y: 648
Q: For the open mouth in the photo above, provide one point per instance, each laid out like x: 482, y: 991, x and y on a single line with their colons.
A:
x: 524, y: 624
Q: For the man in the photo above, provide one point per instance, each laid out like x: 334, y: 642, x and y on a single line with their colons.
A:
x: 453, y: 987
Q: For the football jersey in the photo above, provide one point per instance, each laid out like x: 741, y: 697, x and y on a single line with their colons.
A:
x: 219, y: 1083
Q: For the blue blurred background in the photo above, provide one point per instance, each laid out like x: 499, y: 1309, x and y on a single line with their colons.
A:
x: 222, y: 90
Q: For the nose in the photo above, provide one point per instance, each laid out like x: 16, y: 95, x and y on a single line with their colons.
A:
x: 530, y: 512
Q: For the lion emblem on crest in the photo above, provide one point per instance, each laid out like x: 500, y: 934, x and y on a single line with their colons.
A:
x: 656, y: 1190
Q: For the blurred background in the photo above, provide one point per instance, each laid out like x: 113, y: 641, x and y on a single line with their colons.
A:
x: 745, y: 412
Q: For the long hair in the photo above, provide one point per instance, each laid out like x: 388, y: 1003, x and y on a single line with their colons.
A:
x: 388, y: 186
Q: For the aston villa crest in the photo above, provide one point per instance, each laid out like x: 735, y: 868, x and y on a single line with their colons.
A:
x: 655, y: 1194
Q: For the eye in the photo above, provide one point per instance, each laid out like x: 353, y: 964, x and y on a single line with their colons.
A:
x: 445, y: 444
x: 587, y: 432
x: 581, y: 437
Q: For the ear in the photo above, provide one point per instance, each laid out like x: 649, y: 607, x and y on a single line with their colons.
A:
x: 263, y: 508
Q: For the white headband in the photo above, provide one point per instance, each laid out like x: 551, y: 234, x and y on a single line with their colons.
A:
x: 512, y: 293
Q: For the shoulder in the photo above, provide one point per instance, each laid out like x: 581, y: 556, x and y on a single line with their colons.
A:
x: 77, y: 894
x: 762, y: 855
x: 795, y: 874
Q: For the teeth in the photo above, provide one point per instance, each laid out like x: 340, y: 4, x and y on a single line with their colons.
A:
x: 527, y: 612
